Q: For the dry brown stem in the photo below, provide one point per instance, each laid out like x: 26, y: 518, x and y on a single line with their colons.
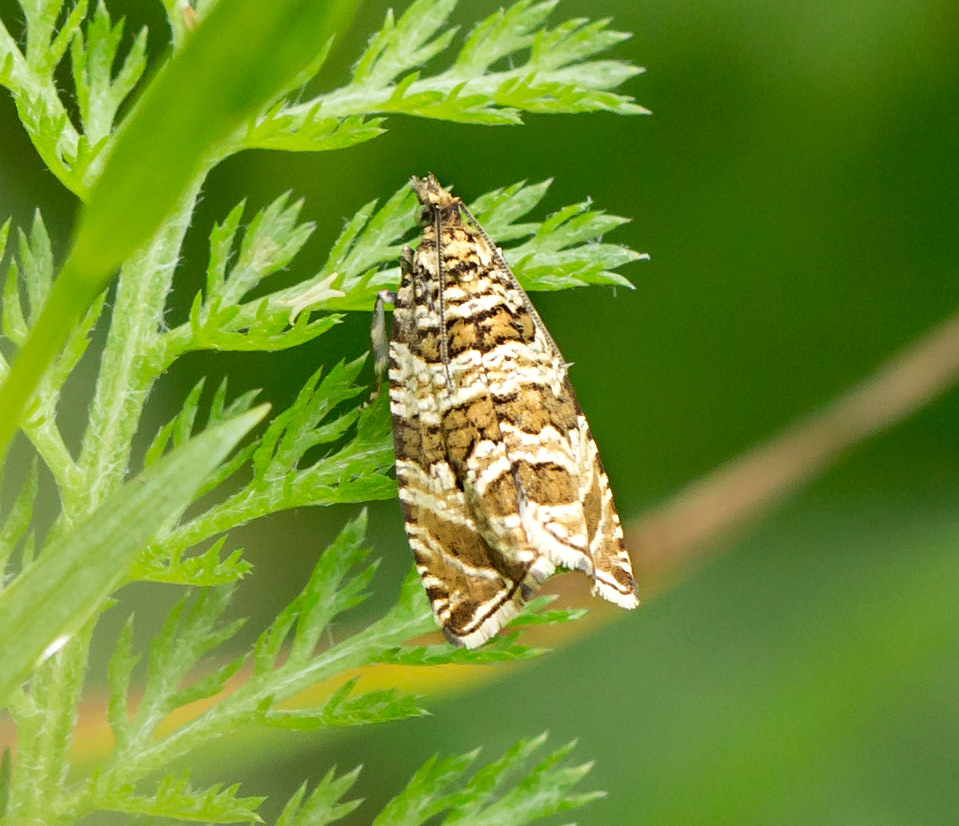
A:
x: 694, y: 521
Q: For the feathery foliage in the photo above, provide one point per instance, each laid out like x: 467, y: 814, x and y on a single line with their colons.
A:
x: 165, y: 516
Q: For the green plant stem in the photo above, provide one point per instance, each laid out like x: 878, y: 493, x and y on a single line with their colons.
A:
x: 42, y: 762
x: 122, y: 388
x: 33, y: 88
x: 235, y: 511
x: 127, y: 370
x: 72, y: 292
x: 46, y: 438
x: 365, y: 99
x: 148, y: 170
x: 243, y: 705
x: 239, y: 509
x: 253, y: 501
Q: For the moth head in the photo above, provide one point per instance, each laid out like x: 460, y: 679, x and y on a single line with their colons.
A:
x: 431, y: 195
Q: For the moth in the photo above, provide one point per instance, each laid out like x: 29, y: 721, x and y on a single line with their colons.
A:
x: 499, y: 478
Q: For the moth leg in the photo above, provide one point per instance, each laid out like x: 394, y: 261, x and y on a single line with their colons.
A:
x: 381, y: 342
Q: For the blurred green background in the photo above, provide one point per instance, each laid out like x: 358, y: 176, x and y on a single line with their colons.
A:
x: 797, y: 188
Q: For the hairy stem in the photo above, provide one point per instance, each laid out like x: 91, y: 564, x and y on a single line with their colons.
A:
x: 127, y: 370
x: 42, y: 763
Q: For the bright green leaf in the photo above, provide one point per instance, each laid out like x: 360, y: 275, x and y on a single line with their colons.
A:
x: 71, y: 578
x: 243, y: 55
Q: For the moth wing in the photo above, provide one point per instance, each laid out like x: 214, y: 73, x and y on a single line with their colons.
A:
x: 613, y: 578
x: 537, y: 418
x: 521, y: 472
x: 566, y: 505
x: 473, y: 590
x: 470, y: 594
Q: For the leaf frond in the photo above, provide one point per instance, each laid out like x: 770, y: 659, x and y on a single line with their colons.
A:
x: 323, y: 804
x: 510, y: 63
x: 174, y: 797
x: 486, y: 798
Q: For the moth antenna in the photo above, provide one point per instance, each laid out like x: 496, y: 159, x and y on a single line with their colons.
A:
x: 444, y: 344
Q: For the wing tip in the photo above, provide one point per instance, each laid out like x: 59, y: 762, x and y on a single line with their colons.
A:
x: 624, y: 599
x: 487, y: 628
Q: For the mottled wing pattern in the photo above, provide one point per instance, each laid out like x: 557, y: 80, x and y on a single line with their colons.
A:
x: 499, y: 476
x: 473, y: 590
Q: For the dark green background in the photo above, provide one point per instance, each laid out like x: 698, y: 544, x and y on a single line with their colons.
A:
x: 797, y: 188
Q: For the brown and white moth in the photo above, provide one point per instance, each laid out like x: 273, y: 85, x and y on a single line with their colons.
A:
x: 499, y: 477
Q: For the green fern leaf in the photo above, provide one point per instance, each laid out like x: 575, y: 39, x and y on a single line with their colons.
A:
x: 323, y: 805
